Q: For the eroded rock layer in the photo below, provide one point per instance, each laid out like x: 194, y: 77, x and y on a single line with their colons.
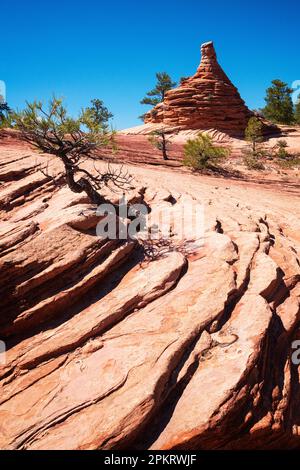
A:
x: 208, y: 100
x: 189, y: 350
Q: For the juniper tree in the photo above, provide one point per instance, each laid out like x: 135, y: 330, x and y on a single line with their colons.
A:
x: 51, y: 130
x: 279, y: 107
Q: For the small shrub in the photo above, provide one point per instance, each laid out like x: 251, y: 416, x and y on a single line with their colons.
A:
x: 253, y: 163
x: 201, y: 153
x: 283, y: 157
x: 290, y: 162
x: 252, y: 160
x: 281, y: 147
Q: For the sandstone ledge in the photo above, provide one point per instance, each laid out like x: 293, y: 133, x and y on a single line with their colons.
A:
x: 189, y: 351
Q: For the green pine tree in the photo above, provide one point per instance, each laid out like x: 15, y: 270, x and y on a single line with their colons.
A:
x: 254, y: 132
x: 157, y: 95
x: 279, y: 107
x: 99, y: 113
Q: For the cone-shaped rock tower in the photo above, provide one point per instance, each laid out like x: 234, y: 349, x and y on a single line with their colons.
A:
x: 205, y: 101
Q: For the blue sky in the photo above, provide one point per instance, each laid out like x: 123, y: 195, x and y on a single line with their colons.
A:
x: 112, y: 49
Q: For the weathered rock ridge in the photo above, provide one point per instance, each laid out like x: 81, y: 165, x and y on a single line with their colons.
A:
x: 208, y: 100
x: 189, y: 351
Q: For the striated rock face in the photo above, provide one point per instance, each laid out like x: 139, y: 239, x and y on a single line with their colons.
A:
x: 208, y: 100
x: 189, y: 351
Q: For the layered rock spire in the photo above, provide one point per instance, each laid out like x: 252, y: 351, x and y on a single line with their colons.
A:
x: 204, y: 101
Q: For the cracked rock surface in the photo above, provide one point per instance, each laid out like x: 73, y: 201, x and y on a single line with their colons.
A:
x: 189, y: 350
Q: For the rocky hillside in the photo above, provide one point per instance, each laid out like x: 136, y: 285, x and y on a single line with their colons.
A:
x: 190, y: 349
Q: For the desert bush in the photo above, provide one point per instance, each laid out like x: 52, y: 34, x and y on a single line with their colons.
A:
x: 292, y: 162
x: 281, y: 149
x: 201, y: 153
x: 283, y: 157
x: 252, y: 162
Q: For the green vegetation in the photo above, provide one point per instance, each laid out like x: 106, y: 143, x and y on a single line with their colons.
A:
x: 255, y: 151
x: 253, y: 162
x: 201, y: 153
x: 159, y: 140
x: 255, y: 156
x: 283, y: 157
x: 51, y: 130
x: 99, y: 113
x: 157, y: 95
x: 254, y: 132
x: 281, y: 147
x: 5, y: 115
x: 279, y: 106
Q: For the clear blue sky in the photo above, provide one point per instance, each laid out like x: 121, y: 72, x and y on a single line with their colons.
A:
x: 112, y: 49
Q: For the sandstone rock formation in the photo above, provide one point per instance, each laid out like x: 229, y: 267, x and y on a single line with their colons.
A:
x: 191, y: 350
x: 208, y: 100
